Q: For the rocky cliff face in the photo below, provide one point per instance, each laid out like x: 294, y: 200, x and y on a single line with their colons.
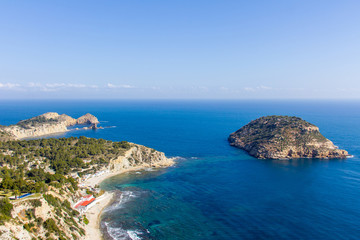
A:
x: 283, y: 137
x: 46, y: 124
x: 139, y: 156
x: 87, y: 119
x: 36, y: 131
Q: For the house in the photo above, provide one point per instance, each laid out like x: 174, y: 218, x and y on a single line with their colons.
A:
x: 85, y: 203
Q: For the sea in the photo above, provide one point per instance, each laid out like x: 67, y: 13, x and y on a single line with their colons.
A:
x: 215, y: 191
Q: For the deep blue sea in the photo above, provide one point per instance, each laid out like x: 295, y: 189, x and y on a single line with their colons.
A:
x: 216, y: 191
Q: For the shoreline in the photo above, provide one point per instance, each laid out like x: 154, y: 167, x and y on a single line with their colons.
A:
x: 92, y: 230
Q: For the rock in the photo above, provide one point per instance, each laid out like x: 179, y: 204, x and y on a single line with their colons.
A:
x: 283, y: 137
x: 140, y: 156
x: 87, y: 119
x: 49, y: 115
x: 69, y: 121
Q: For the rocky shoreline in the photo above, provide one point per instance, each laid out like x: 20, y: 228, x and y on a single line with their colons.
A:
x: 284, y: 137
x: 46, y: 124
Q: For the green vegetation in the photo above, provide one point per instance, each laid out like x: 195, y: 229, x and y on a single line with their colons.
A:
x: 284, y: 137
x: 280, y: 130
x: 48, y: 168
x: 4, y: 136
x: 86, y: 221
x: 5, y: 209
x: 50, y: 225
x: 35, y: 165
x: 35, y: 121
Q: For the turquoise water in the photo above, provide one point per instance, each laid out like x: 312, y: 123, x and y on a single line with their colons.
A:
x: 216, y: 191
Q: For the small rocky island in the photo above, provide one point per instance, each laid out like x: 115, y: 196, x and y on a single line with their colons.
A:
x: 284, y: 137
x: 45, y: 124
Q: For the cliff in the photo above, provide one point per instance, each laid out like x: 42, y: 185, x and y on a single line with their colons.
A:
x: 45, y: 124
x: 139, y: 156
x: 283, y: 137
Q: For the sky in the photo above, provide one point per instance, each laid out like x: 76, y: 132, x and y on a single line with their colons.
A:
x: 180, y: 49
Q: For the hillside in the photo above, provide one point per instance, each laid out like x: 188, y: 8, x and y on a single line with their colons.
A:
x: 53, y: 170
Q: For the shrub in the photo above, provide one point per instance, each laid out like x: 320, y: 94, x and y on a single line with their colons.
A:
x: 50, y: 225
x: 86, y: 221
x: 35, y: 203
x: 5, y: 207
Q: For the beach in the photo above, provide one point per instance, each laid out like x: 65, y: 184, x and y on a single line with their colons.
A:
x: 94, y: 213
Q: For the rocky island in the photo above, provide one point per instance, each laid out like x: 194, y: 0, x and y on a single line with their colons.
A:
x: 45, y: 124
x: 284, y: 137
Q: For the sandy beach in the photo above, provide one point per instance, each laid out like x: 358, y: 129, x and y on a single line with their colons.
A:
x: 93, y: 231
x: 93, y: 214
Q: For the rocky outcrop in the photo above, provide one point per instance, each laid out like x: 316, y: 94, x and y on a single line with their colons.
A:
x: 139, y: 156
x: 87, y: 119
x: 69, y: 121
x: 283, y: 137
x: 45, y: 124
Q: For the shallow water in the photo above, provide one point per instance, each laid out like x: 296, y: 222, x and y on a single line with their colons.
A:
x: 216, y: 191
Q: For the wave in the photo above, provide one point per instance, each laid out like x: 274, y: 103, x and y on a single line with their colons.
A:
x: 123, y: 198
x: 178, y: 158
x: 133, y: 234
x: 118, y: 233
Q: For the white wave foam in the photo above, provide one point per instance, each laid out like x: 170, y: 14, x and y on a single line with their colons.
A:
x: 119, y: 233
x: 125, y: 197
x: 133, y: 234
x: 178, y: 158
x: 350, y: 156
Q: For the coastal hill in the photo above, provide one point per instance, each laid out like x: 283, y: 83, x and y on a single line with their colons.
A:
x: 45, y: 124
x: 56, y: 172
x: 284, y: 137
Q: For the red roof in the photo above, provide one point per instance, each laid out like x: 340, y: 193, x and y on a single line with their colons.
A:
x: 85, y: 203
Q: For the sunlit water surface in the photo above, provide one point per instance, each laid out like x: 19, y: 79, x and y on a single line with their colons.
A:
x: 216, y: 191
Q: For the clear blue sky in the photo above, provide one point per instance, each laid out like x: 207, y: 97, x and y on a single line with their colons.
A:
x: 180, y: 49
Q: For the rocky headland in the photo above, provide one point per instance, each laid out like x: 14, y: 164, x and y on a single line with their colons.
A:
x: 45, y: 124
x: 284, y: 137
